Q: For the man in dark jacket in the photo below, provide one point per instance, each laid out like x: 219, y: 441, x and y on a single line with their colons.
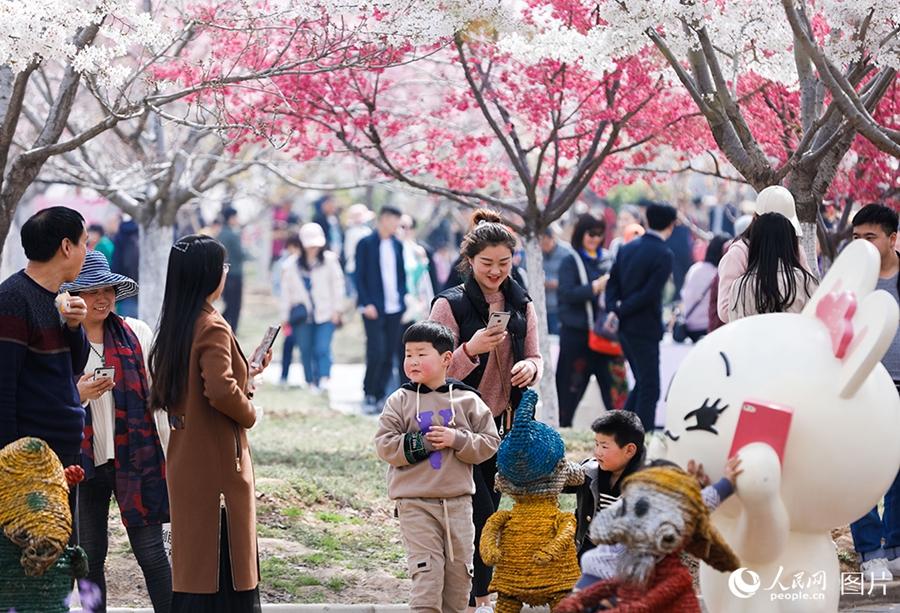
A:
x: 381, y: 284
x: 126, y: 261
x: 233, y: 292
x: 634, y: 301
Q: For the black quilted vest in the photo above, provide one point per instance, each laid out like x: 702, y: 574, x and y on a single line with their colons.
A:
x: 470, y: 310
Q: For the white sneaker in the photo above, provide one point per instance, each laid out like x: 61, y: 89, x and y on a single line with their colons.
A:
x: 876, y: 569
x: 314, y: 389
x: 485, y: 608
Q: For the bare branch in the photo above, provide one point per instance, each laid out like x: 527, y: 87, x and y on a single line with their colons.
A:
x: 841, y: 89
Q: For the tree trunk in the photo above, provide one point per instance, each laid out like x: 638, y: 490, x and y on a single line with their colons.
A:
x: 808, y: 244
x: 801, y: 186
x: 534, y: 259
x: 5, y: 226
x: 155, y: 243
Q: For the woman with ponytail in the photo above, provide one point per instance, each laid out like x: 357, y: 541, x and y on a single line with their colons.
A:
x: 499, y: 362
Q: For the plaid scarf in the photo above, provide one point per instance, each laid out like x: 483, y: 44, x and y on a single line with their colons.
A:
x: 140, y: 464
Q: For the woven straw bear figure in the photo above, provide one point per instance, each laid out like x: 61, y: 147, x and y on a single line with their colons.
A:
x: 532, y: 547
x: 661, y: 513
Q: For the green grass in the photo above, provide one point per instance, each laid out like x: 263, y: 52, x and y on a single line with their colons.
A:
x: 282, y: 574
x: 321, y: 486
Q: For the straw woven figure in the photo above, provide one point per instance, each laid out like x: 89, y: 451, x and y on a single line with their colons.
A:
x: 661, y: 513
x: 36, y: 567
x: 532, y: 546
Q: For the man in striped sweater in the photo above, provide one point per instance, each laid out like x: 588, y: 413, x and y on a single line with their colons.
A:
x: 42, y: 342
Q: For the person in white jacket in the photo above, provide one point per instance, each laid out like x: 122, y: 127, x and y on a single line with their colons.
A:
x: 312, y: 277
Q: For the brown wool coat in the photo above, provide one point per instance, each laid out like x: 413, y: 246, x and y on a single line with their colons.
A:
x: 209, y: 464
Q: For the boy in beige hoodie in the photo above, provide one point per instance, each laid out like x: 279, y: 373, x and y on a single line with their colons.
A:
x: 431, y: 432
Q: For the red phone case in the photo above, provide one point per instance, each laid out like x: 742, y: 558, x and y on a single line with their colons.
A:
x: 762, y: 422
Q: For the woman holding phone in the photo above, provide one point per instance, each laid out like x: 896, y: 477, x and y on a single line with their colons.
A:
x: 500, y: 361
x: 582, y: 282
x: 203, y: 380
x: 122, y: 454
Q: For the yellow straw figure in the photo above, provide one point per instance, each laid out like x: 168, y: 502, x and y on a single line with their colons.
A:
x: 36, y: 567
x: 532, y: 546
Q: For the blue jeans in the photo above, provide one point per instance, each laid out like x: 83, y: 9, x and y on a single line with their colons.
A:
x: 287, y: 354
x: 314, y: 341
x: 382, y: 335
x: 642, y: 354
x: 870, y: 529
x: 553, y: 323
x: 146, y: 541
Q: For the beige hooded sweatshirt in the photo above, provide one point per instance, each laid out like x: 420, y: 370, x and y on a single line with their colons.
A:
x: 416, y: 469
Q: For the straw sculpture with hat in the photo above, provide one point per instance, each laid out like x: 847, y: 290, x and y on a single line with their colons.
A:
x: 660, y: 515
x: 36, y: 566
x: 532, y: 546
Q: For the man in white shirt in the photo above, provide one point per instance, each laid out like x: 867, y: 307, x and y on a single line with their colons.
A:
x: 381, y: 284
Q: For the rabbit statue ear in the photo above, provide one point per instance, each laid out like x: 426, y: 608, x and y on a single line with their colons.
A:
x: 860, y: 320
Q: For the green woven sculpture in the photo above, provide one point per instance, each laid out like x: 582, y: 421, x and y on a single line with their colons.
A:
x: 37, y: 569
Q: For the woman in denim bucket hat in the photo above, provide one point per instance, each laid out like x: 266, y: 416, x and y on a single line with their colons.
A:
x: 122, y: 454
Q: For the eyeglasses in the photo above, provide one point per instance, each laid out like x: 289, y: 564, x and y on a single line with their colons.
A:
x: 226, y: 267
x: 595, y: 233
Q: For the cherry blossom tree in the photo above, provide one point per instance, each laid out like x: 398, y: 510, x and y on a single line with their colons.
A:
x: 868, y: 35
x: 761, y: 91
x: 74, y: 71
x: 150, y: 169
x: 458, y: 117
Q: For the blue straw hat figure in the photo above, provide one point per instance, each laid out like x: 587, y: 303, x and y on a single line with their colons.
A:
x: 532, y: 546
x: 532, y: 449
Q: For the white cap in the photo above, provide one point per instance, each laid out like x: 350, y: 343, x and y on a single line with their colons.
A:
x: 777, y: 199
x: 311, y: 235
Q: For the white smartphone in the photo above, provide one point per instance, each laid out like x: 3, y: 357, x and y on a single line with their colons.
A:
x: 107, y: 372
x: 498, y: 318
x: 266, y: 344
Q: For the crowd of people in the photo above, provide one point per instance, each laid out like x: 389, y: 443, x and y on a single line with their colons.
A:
x: 160, y: 423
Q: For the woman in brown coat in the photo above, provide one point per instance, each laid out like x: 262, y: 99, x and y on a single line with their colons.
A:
x: 204, y: 381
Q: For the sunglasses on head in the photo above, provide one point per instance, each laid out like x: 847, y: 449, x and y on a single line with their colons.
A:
x: 596, y: 232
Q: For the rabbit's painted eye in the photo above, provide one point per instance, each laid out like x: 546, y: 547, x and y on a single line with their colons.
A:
x: 706, y: 416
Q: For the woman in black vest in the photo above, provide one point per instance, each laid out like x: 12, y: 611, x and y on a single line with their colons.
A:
x: 498, y: 363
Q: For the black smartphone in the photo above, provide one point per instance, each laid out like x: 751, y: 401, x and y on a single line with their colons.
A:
x: 266, y: 344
